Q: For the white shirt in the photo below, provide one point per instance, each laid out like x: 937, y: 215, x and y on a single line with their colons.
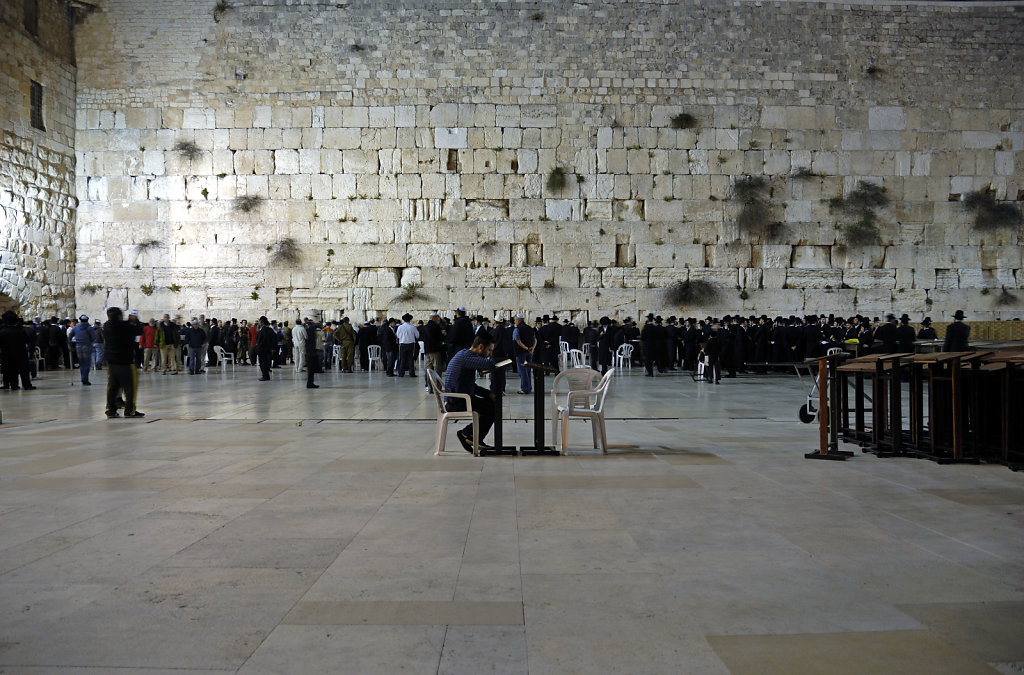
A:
x: 407, y: 334
x: 299, y: 334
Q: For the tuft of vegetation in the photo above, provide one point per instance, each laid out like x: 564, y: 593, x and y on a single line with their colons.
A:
x: 990, y: 214
x: 174, y: 288
x: 411, y: 291
x: 330, y: 252
x: 691, y: 292
x: 357, y: 47
x: 549, y: 283
x: 805, y: 172
x: 756, y: 215
x: 219, y: 10
x: 147, y: 289
x: 556, y: 179
x: 148, y: 244
x: 874, y: 71
x: 861, y: 203
x: 1006, y: 298
x: 286, y: 252
x: 537, y: 16
x: 91, y: 288
x: 254, y: 295
x: 684, y: 121
x: 188, y: 150
x: 744, y: 295
x: 488, y: 245
x: 248, y: 203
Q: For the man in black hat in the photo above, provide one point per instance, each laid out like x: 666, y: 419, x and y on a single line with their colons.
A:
x: 461, y: 334
x: 266, y: 345
x: 548, y: 336
x: 366, y: 336
x: 957, y: 334
x: 14, y: 346
x: 388, y: 341
x: 905, y: 335
x: 926, y: 332
x: 886, y: 340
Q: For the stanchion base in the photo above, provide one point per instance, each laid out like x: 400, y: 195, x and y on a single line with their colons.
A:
x: 838, y: 455
x: 543, y: 450
x: 504, y: 450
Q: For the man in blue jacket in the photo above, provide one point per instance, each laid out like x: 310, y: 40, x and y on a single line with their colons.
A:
x: 461, y: 378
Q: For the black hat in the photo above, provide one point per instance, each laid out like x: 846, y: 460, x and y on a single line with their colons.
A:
x: 605, y: 321
x: 405, y: 317
x: 959, y: 314
x: 927, y: 321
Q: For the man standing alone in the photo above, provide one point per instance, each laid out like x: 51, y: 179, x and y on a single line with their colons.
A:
x: 119, y: 342
x: 407, y: 336
x: 525, y: 339
x: 266, y: 344
x: 299, y: 340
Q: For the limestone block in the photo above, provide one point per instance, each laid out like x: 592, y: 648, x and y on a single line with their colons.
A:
x: 659, y: 210
x: 450, y: 137
x: 589, y: 278
x: 487, y: 209
x: 513, y: 277
x: 858, y: 257
x: 480, y: 277
x: 655, y: 255
x: 360, y: 161
x: 286, y: 161
x: 635, y: 277
x: 776, y: 162
x: 628, y: 209
x: 814, y: 278
x: 811, y: 257
x: 364, y: 255
x: 537, y: 115
x: 690, y: 255
x: 167, y: 187
x: 729, y: 255
x: 663, y: 277
x: 869, y: 278
x: 263, y: 162
x: 612, y: 277
x: 342, y: 138
x: 507, y: 116
x: 598, y: 209
x: 382, y: 116
x: 378, y: 277
x: 444, y: 115
x: 493, y: 255
x: 430, y: 255
x: 568, y: 255
x: 559, y: 209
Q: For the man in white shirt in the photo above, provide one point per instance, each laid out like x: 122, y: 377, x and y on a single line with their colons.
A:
x: 408, y: 335
x: 299, y: 337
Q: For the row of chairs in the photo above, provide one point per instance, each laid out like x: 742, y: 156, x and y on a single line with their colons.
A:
x: 584, y: 398
x: 579, y: 358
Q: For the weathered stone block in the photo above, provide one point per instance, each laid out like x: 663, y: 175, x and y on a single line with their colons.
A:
x: 869, y: 278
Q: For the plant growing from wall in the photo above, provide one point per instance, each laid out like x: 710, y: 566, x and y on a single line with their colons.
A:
x: 411, y: 291
x: 219, y: 10
x: 691, y: 292
x: 248, y: 203
x: 1006, y: 298
x: 174, y: 288
x: 556, y: 179
x: 187, y: 149
x: 147, y: 289
x: 990, y: 214
x: 756, y: 216
x: 286, y: 252
x: 91, y: 288
x: 861, y: 204
x: 254, y: 295
x: 684, y: 121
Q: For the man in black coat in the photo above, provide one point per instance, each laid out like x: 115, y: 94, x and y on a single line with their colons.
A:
x: 649, y: 338
x: 885, y: 336
x: 461, y: 334
x: 549, y: 335
x: 905, y: 335
x: 14, y: 346
x: 266, y: 345
x: 365, y: 336
x: 388, y: 341
x: 957, y: 334
x: 312, y: 360
x: 119, y: 345
x: 571, y: 334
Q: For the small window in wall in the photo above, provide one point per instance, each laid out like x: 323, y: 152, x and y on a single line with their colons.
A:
x: 36, y: 102
x: 31, y: 16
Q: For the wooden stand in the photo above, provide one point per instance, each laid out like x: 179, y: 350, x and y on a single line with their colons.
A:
x: 828, y: 415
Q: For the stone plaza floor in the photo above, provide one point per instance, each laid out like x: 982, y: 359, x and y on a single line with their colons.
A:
x: 261, y: 527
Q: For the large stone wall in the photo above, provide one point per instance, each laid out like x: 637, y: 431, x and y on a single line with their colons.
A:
x: 37, y: 168
x: 402, y: 143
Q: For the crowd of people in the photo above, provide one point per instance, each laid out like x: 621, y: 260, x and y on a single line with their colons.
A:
x: 733, y: 344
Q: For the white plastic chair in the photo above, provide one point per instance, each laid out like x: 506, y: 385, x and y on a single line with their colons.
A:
x: 224, y: 358
x: 571, y: 379
x: 374, y: 353
x: 834, y: 350
x: 421, y: 355
x: 563, y: 354
x: 444, y: 415
x: 336, y: 352
x: 575, y: 358
x: 586, y: 352
x: 623, y: 357
x: 40, y: 361
x: 578, y: 404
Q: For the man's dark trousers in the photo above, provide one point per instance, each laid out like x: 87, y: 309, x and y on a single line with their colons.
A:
x: 483, y: 406
x: 264, y: 358
x: 119, y: 377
